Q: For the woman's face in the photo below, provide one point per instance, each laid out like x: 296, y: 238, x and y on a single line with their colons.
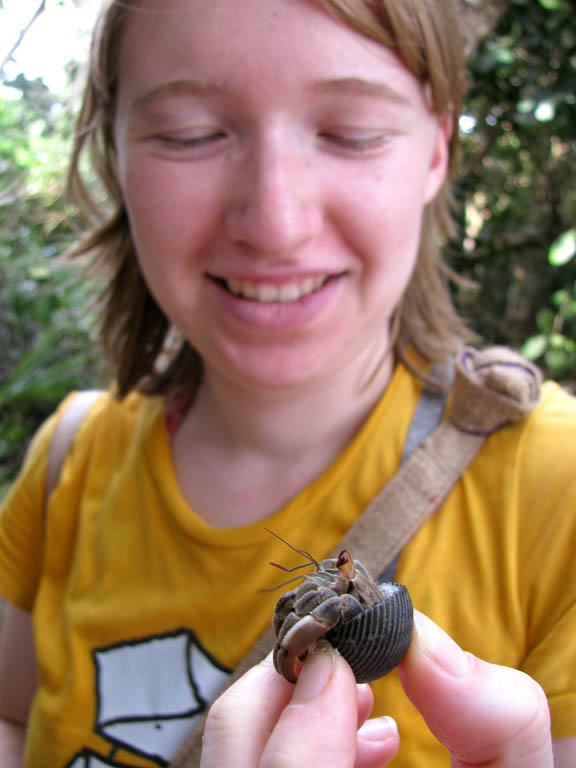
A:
x: 275, y: 167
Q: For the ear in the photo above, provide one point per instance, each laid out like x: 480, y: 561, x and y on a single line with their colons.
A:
x: 438, y: 170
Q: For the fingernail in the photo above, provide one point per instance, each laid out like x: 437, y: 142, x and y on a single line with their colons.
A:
x: 315, y: 674
x: 379, y: 729
x: 433, y: 643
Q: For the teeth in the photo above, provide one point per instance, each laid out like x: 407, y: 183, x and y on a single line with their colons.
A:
x: 267, y: 293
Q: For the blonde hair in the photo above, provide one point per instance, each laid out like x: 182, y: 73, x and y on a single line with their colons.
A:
x: 135, y: 331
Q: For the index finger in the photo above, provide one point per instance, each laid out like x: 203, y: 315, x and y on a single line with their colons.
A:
x: 483, y: 713
x: 242, y: 718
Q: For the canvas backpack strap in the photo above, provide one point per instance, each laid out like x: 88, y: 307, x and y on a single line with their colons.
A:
x: 426, y: 418
x: 491, y: 388
x: 63, y: 437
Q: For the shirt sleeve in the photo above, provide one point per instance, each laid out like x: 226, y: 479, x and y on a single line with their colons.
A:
x: 547, y: 497
x: 22, y: 521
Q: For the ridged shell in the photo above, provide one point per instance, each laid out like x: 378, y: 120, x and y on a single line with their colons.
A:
x: 375, y: 641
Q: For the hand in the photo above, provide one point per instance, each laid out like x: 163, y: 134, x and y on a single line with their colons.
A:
x: 484, y: 714
x: 264, y: 722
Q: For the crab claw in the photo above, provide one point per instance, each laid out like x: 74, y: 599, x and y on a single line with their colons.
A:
x: 293, y: 648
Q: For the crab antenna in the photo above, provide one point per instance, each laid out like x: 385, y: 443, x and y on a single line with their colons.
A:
x: 279, y: 586
x: 302, y: 552
x: 290, y: 570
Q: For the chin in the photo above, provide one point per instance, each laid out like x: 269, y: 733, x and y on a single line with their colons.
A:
x: 278, y: 371
x: 278, y: 380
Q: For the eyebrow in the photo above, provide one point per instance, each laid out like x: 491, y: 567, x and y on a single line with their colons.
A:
x: 357, y: 85
x: 177, y: 88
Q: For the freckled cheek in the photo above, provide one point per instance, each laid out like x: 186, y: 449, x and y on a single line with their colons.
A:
x: 165, y: 207
x: 149, y: 190
x: 384, y: 223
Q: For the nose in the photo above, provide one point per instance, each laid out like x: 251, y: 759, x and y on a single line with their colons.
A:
x: 274, y: 203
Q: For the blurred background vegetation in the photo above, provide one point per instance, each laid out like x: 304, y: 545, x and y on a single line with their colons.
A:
x: 516, y: 206
x: 516, y: 192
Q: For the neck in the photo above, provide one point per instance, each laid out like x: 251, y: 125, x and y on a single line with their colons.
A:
x: 283, y: 424
x: 243, y: 452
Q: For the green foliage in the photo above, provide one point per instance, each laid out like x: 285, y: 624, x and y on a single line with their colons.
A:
x: 516, y: 193
x: 555, y: 343
x: 46, y: 329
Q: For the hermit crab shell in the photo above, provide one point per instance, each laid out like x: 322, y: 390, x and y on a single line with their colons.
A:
x: 375, y: 641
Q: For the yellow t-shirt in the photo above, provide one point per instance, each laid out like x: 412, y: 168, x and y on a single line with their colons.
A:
x: 140, y: 607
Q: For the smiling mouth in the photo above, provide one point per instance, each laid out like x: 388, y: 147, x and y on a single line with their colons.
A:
x: 268, y: 293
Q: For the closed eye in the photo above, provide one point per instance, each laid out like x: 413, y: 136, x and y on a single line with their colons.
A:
x: 191, y: 142
x: 356, y: 143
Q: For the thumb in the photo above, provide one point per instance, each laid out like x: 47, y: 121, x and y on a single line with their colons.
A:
x: 483, y: 713
x: 319, y: 726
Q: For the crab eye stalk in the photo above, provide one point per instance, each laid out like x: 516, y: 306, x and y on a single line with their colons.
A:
x: 345, y: 564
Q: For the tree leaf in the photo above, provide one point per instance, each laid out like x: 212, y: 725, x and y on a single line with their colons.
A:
x: 563, y: 249
x: 535, y: 346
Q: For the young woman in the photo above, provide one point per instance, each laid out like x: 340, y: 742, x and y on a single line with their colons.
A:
x: 276, y: 175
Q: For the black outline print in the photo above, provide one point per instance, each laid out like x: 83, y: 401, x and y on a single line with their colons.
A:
x: 178, y: 651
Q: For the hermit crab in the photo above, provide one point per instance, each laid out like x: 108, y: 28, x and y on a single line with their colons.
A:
x: 369, y: 624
